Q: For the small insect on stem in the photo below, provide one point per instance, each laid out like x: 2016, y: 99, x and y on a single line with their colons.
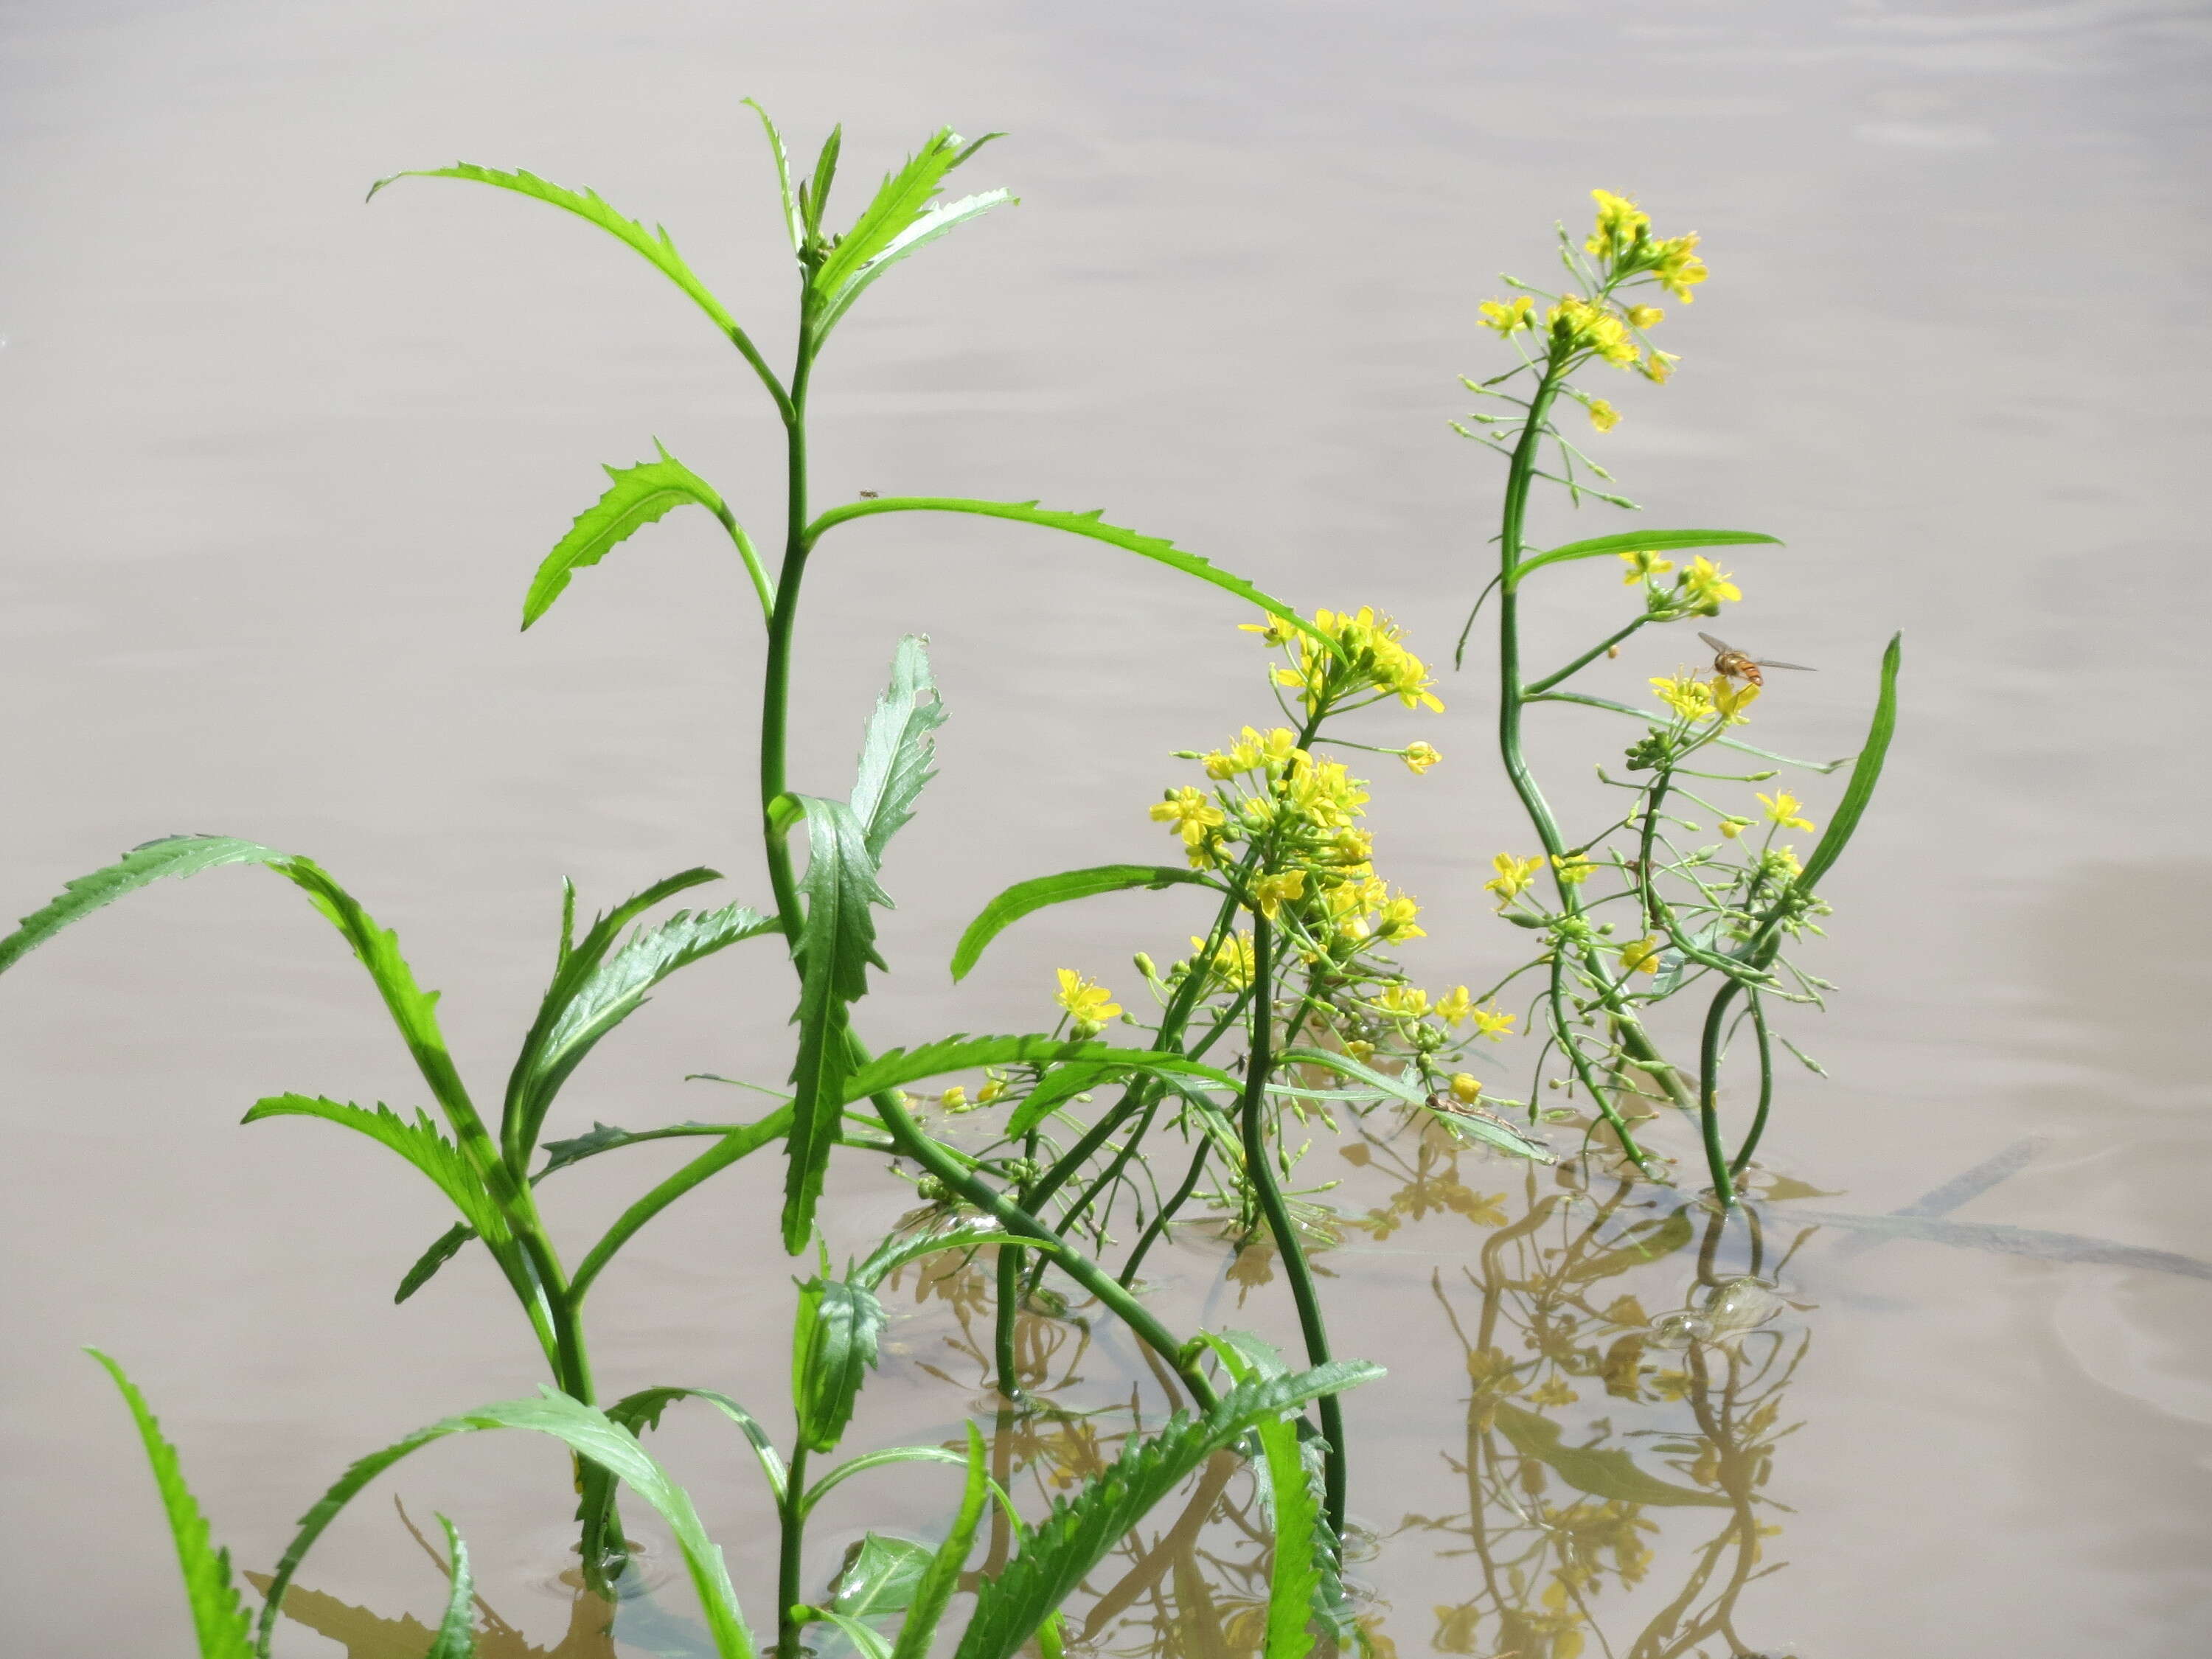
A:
x: 1732, y: 664
x: 870, y: 496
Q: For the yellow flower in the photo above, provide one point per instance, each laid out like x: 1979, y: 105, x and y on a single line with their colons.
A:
x: 1732, y: 699
x: 1643, y: 566
x: 1466, y: 1087
x: 1620, y: 225
x: 1603, y: 415
x: 1574, y: 869
x: 1783, y: 807
x: 1404, y: 999
x: 1577, y: 324
x: 1090, y: 1004
x: 1455, y: 1005
x: 1232, y: 962
x: 1192, y: 812
x: 1359, y: 1050
x: 1781, y: 863
x: 1508, y: 316
x: 1513, y: 875
x: 1644, y: 316
x: 1272, y: 630
x: 1678, y: 267
x: 1397, y: 920
x: 1708, y: 584
x: 1733, y: 827
x: 1687, y: 695
x: 1489, y: 1022
x: 955, y: 1099
x: 995, y: 1089
x: 1270, y: 891
x: 1642, y: 956
x: 1239, y: 757
x: 1658, y: 366
x: 1420, y: 757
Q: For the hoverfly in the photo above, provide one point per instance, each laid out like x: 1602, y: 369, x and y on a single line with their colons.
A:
x: 1733, y: 664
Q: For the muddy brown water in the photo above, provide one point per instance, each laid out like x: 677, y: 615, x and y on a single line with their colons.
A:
x: 278, y: 467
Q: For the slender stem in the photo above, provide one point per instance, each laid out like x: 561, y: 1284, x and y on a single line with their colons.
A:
x: 732, y: 1147
x: 790, y: 1556
x: 1002, y: 1321
x: 1156, y: 1228
x: 1259, y: 1168
x: 1709, y: 1077
x: 1743, y: 1159
x: 1584, y: 660
x: 775, y: 690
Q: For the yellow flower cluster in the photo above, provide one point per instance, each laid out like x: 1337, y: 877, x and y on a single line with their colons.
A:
x: 1232, y: 962
x: 1708, y: 585
x: 1579, y: 326
x: 1373, y: 645
x: 1623, y: 240
x: 1696, y: 701
x: 1644, y: 566
x: 1514, y: 876
x: 1508, y: 316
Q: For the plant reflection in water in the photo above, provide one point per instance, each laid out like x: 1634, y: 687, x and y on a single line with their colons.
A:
x: 1614, y: 1463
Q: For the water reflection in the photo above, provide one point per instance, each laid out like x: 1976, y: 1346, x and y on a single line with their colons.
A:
x: 1628, y: 1358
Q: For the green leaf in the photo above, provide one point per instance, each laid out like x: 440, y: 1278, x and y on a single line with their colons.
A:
x: 836, y: 1340
x: 1476, y: 1121
x: 1306, y: 1578
x: 791, y: 219
x: 934, y: 1593
x: 1073, y: 1077
x: 1101, y: 1062
x: 1025, y: 897
x: 456, y: 1637
x: 866, y: 1642
x: 220, y: 1620
x: 616, y: 989
x: 637, y: 497
x: 899, y: 220
x: 1866, y: 772
x: 656, y: 245
x: 835, y: 947
x: 449, y: 1246
x: 1637, y: 541
x: 1074, y: 1538
x: 172, y: 855
x: 419, y: 1142
x: 880, y: 1577
x: 590, y: 1434
x: 895, y: 1252
x: 1602, y: 1474
x: 641, y: 1410
x: 1077, y: 524
x: 896, y: 753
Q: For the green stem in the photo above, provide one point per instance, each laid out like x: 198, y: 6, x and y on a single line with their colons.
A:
x: 1260, y: 1171
x: 1709, y: 1077
x: 790, y: 1564
x: 1584, y: 660
x: 732, y: 1147
x: 1002, y: 1321
x: 775, y: 690
x: 1156, y: 1228
x: 1743, y: 1159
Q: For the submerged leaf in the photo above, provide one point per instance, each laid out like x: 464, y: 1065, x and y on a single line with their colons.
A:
x: 220, y: 1620
x: 1598, y: 1471
x: 456, y: 1637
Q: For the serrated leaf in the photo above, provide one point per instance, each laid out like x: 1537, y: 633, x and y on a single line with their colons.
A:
x: 616, y: 989
x: 456, y: 1637
x: 898, y: 220
x: 895, y: 1252
x: 1066, y: 1545
x: 657, y: 246
x: 641, y: 1410
x: 1637, y: 541
x: 836, y: 1340
x: 933, y: 1594
x: 590, y: 1434
x: 1305, y: 1579
x: 172, y: 855
x: 220, y: 1622
x: 835, y: 947
x: 635, y: 497
x: 896, y: 753
x: 897, y: 1067
x: 419, y: 1142
x: 1025, y: 897
x: 881, y: 1578
x: 1602, y: 1472
x: 1073, y: 1077
x: 1090, y: 525
x: 791, y: 219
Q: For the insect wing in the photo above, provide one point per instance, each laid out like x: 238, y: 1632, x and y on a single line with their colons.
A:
x: 1721, y: 648
x: 1798, y: 666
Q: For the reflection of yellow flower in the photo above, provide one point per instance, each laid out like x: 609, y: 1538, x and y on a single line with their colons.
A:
x: 1091, y: 1004
x: 1708, y: 584
x: 1687, y: 695
x: 1642, y: 565
x: 1508, y: 316
x: 1269, y: 892
x: 1420, y: 756
x: 1490, y: 1023
x: 1513, y: 875
x: 992, y: 1091
x: 1642, y: 956
x: 1466, y: 1087
x: 1191, y: 811
x: 1783, y: 807
x: 1454, y: 1005
x: 1603, y: 415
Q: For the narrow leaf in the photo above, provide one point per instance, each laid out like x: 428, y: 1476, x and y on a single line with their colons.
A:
x: 590, y: 1434
x: 1866, y: 772
x: 419, y: 1142
x: 456, y: 1637
x: 172, y: 855
x: 895, y: 1252
x: 641, y: 1410
x: 1637, y: 541
x: 791, y: 223
x: 933, y: 1594
x: 897, y: 752
x: 1079, y: 524
x: 866, y: 1642
x: 1303, y: 1557
x: 1074, y: 1538
x: 937, y: 221
x: 1025, y: 897
x: 636, y: 496
x: 1602, y: 1472
x: 220, y: 1622
x: 1072, y: 1078
x: 835, y: 947
x: 449, y: 1246
x: 898, y: 220
x: 897, y: 1067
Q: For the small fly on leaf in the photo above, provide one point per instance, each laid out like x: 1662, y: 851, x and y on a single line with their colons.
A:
x: 1733, y: 664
